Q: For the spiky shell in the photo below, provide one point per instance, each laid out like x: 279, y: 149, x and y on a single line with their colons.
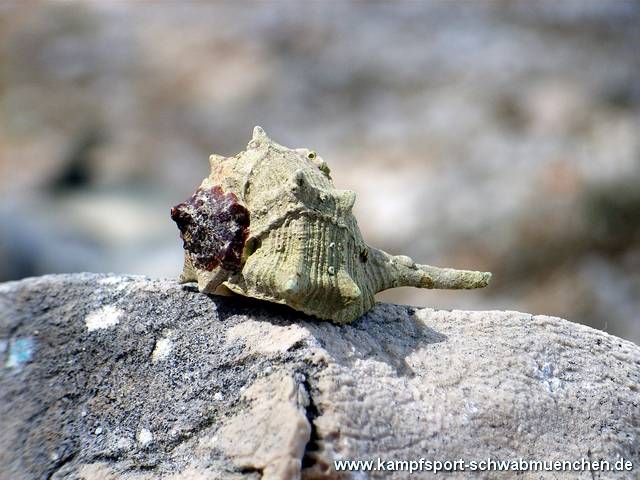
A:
x: 301, y: 245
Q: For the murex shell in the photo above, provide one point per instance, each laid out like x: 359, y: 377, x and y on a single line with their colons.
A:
x: 269, y: 224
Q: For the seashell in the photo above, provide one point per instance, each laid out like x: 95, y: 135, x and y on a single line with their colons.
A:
x: 268, y: 223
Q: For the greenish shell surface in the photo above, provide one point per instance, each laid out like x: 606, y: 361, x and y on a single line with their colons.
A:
x: 303, y: 247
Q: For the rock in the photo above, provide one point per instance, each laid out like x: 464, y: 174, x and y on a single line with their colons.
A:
x: 122, y: 377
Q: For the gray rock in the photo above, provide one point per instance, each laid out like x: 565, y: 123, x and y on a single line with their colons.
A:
x: 105, y: 377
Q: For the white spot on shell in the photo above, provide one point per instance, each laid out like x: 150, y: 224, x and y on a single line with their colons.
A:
x: 162, y: 350
x: 292, y: 287
x: 218, y: 396
x: 105, y: 317
x: 98, y: 431
x: 405, y: 261
x: 145, y: 437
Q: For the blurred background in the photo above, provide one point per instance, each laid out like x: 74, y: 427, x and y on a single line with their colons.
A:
x: 501, y: 136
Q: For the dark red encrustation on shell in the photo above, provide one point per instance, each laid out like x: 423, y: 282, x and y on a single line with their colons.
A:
x: 214, y: 227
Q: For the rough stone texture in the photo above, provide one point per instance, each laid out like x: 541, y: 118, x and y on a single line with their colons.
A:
x: 106, y: 377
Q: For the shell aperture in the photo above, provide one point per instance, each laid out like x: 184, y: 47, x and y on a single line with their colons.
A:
x: 213, y: 227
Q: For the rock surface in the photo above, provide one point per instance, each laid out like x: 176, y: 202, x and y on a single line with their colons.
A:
x: 105, y: 377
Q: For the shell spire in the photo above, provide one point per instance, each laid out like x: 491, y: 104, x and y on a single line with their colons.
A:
x: 268, y: 223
